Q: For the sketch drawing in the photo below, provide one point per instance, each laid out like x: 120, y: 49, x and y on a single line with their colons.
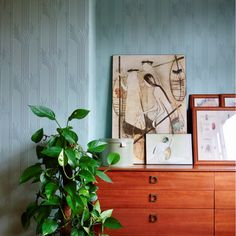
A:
x: 149, y: 96
x: 169, y: 149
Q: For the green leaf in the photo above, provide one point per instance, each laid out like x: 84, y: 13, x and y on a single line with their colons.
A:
x: 83, y: 191
x: 97, y: 207
x: 37, y: 136
x: 78, y: 114
x: 106, y: 214
x: 70, y: 188
x: 30, y: 211
x: 49, y: 226
x: 52, y: 151
x: 42, y: 111
x: 39, y: 149
x: 113, y: 158
x: 96, y: 146
x: 70, y: 136
x: 54, y: 201
x: 62, y: 159
x: 72, y: 160
x: 86, y: 161
x: 112, y: 223
x: 85, y: 216
x: 75, y: 203
x: 33, y: 171
x: 103, y: 176
x: 87, y: 176
x: 52, y: 141
x: 74, y: 232
x: 43, y: 213
x: 50, y: 189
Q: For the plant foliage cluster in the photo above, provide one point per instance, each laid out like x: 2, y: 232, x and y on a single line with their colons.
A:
x: 66, y: 201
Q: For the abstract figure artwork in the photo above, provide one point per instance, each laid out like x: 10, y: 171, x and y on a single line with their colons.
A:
x: 149, y: 96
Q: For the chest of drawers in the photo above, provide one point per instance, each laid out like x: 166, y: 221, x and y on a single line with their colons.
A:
x: 150, y: 201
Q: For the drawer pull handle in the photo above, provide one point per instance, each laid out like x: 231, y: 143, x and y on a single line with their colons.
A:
x: 152, y: 179
x: 152, y: 218
x: 152, y: 197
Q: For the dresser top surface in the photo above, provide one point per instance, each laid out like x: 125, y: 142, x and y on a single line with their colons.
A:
x: 187, y: 168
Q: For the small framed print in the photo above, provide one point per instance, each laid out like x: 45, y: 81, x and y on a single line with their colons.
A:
x: 168, y: 149
x: 204, y: 100
x: 214, y: 135
x: 228, y: 100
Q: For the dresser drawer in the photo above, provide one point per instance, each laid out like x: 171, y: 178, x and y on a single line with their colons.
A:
x: 225, y: 222
x: 154, y: 222
x: 160, y: 180
x: 225, y: 199
x: 225, y: 180
x: 156, y: 199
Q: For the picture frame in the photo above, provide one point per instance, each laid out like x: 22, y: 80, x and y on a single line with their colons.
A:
x: 214, y: 135
x: 228, y: 100
x: 169, y: 149
x: 148, y: 96
x: 204, y: 100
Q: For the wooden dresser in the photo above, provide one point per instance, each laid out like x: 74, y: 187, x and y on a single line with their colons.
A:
x: 171, y: 200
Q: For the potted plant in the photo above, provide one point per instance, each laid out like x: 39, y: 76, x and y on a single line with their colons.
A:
x: 66, y: 201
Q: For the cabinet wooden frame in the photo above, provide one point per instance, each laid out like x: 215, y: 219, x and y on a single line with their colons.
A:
x: 228, y: 100
x: 204, y: 98
x: 198, y: 138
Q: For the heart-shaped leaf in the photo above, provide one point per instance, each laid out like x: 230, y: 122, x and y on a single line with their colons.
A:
x: 49, y: 226
x: 113, y: 158
x: 33, y: 171
x: 42, y: 111
x: 72, y: 160
x: 52, y: 151
x: 37, y: 136
x: 62, y: 159
x: 78, y: 114
x: 87, y: 176
x: 50, y: 189
x: 70, y: 136
x: 96, y: 146
x: 103, y: 176
x: 112, y: 223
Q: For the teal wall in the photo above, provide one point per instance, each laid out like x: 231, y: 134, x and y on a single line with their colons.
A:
x: 203, y: 30
x: 44, y: 59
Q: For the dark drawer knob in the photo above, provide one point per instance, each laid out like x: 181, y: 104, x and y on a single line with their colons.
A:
x: 152, y: 197
x: 153, y: 179
x: 152, y: 218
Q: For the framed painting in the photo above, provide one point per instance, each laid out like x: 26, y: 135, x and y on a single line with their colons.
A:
x: 169, y: 149
x: 204, y: 100
x: 148, y: 96
x: 214, y: 135
x: 228, y: 100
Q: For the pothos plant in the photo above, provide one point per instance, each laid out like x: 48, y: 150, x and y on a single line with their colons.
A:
x: 66, y: 201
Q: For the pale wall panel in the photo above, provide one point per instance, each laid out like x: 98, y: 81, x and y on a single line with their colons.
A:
x: 43, y: 60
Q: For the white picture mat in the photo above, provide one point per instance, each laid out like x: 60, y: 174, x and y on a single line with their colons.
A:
x: 206, y: 102
x: 216, y: 135
x: 177, y: 150
x: 230, y: 102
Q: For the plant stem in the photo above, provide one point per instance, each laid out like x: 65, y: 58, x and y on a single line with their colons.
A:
x: 57, y: 123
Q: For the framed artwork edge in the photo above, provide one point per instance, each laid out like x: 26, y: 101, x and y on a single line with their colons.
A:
x: 193, y: 97
x: 195, y: 137
x: 224, y: 96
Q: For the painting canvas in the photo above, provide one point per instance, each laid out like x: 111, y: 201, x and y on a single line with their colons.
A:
x: 148, y: 96
x: 169, y: 149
